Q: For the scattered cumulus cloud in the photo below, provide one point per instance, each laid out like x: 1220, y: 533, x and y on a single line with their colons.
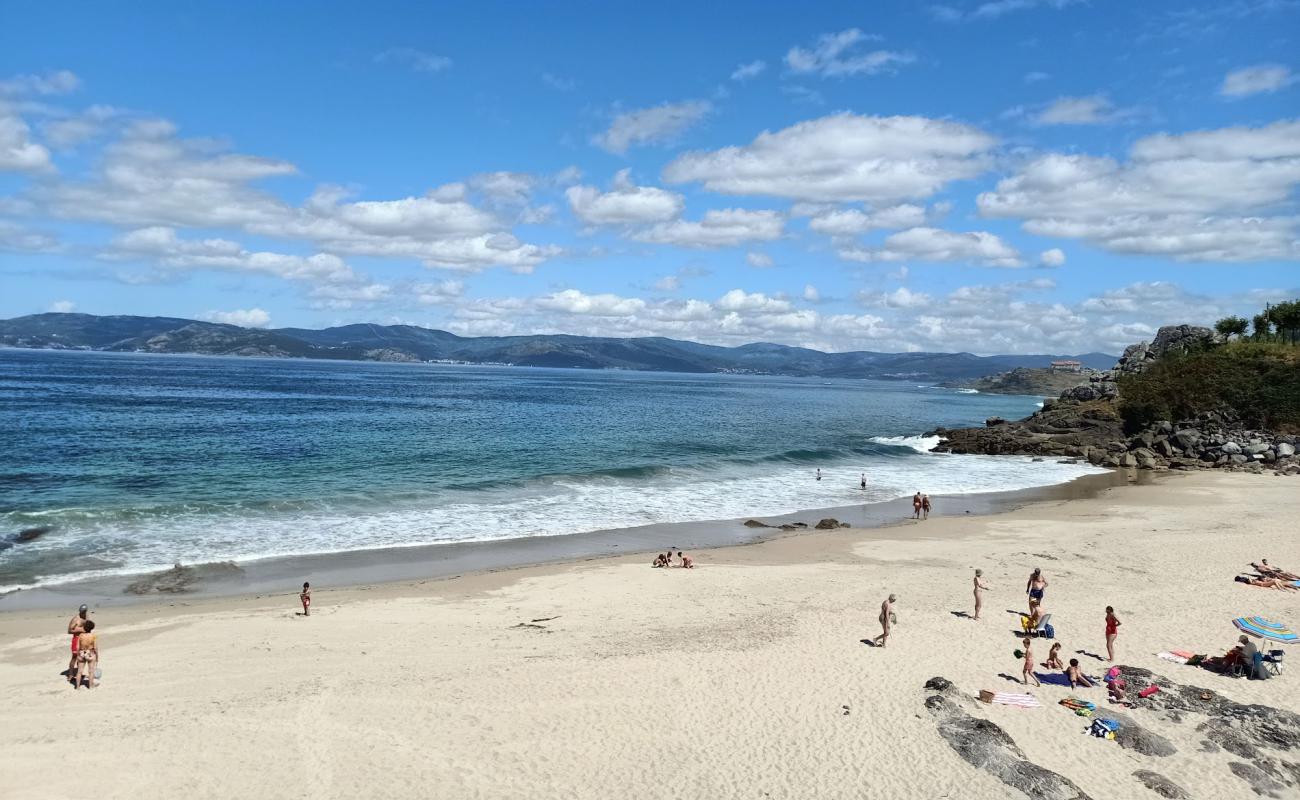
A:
x: 624, y: 204
x: 1260, y: 79
x: 1051, y: 258
x: 758, y: 260
x: 62, y: 307
x: 50, y: 83
x: 244, y: 318
x: 843, y: 157
x: 993, y: 10
x: 413, y: 59
x: 726, y: 227
x: 655, y: 125
x: 937, y: 245
x: 749, y: 71
x: 18, y: 152
x: 837, y: 55
x: 1094, y: 109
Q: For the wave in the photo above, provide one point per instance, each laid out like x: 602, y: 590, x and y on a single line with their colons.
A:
x: 967, y: 391
x: 921, y: 444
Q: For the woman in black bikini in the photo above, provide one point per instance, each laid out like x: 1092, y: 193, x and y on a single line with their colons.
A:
x: 1036, y: 586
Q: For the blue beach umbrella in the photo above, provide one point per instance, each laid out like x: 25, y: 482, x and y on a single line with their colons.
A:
x: 1265, y: 629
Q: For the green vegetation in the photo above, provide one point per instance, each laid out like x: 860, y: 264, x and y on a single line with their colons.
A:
x: 1258, y: 382
x: 1276, y: 323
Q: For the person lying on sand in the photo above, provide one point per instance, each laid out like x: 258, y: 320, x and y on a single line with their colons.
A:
x: 1027, y: 671
x: 687, y: 561
x: 1267, y: 583
x: 1076, y: 676
x: 1054, y: 658
x: 1263, y: 568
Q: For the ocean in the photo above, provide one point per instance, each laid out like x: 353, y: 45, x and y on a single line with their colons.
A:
x: 134, y: 462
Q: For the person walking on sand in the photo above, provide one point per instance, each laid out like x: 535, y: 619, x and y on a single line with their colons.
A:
x: 1112, y: 629
x: 87, y: 656
x: 925, y: 506
x: 916, y: 506
x: 1036, y: 587
x: 76, y: 627
x: 305, y: 598
x: 887, y: 619
x: 980, y: 586
x: 1027, y: 671
x: 819, y: 473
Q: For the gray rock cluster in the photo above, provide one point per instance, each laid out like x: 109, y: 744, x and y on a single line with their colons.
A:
x: 1211, y: 440
x: 1169, y: 339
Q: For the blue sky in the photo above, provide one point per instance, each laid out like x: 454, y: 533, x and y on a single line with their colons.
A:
x: 999, y: 176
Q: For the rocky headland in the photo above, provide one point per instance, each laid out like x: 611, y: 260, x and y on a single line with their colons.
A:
x: 1025, y: 380
x: 1089, y: 422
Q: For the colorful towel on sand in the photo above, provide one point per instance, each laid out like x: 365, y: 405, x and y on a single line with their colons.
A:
x: 1176, y: 656
x: 1075, y: 704
x: 1017, y: 700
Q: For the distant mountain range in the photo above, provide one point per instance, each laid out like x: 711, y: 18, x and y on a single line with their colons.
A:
x: 413, y: 344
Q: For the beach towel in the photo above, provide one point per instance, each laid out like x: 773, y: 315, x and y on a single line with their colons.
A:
x: 1076, y: 703
x: 1104, y: 728
x: 1017, y: 700
x: 1174, y: 656
x: 1059, y: 679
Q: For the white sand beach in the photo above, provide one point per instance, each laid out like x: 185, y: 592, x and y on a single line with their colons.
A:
x: 609, y: 679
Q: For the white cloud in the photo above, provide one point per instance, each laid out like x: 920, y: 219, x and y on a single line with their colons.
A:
x: 62, y: 307
x: 668, y: 283
x: 18, y: 153
x: 559, y: 82
x: 655, y: 125
x: 507, y: 188
x: 748, y: 71
x: 740, y: 300
x: 902, y: 297
x: 758, y: 260
x: 69, y: 131
x: 625, y: 204
x: 244, y: 318
x: 843, y: 157
x: 1094, y: 109
x: 162, y: 245
x: 935, y: 244
x: 440, y: 293
x: 831, y: 56
x: 1051, y: 258
x: 811, y: 294
x: 1217, y: 195
x: 413, y: 59
x: 851, y: 221
x: 572, y: 301
x: 17, y: 238
x: 994, y: 9
x: 718, y: 228
x: 56, y: 82
x: 1259, y: 79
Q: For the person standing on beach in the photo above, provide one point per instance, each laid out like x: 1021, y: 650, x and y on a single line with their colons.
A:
x: 864, y: 482
x: 980, y: 586
x: 916, y: 506
x: 1036, y: 587
x: 1027, y: 671
x: 87, y: 656
x: 925, y: 506
x: 886, y: 620
x: 76, y: 627
x: 819, y: 473
x: 305, y: 598
x: 1112, y: 630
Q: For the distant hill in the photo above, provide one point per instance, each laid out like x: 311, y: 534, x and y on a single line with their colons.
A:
x: 1026, y: 380
x: 410, y: 343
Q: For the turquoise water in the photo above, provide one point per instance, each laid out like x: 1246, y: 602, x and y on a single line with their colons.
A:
x: 135, y: 462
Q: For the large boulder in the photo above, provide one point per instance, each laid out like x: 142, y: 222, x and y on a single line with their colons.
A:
x: 1231, y: 448
x: 1180, y: 339
x: 1187, y: 438
x: 1285, y: 450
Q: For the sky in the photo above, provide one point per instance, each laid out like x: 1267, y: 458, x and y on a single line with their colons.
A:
x: 991, y: 176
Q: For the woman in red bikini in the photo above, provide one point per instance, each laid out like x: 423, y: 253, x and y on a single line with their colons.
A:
x: 1112, y: 628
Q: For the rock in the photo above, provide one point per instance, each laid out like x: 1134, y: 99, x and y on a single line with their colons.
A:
x: 1132, y: 736
x: 1231, y: 448
x: 753, y: 523
x: 1285, y: 450
x: 938, y: 684
x: 1128, y: 460
x: 1147, y: 462
x: 827, y: 524
x: 1256, y: 449
x: 1259, y: 780
x: 182, y: 580
x: 992, y: 421
x: 1161, y: 785
x: 1165, y: 427
x: 1180, y: 339
x: 1187, y: 438
x: 30, y: 535
x: 1164, y: 448
x: 1238, y: 459
x: 985, y: 745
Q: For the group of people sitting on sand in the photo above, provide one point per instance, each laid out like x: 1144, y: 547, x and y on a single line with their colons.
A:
x: 666, y: 560
x: 1270, y: 577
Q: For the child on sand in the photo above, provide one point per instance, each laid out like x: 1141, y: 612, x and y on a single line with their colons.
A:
x: 687, y: 561
x: 305, y: 598
x: 1054, y: 657
x: 1076, y: 676
x: 1027, y: 671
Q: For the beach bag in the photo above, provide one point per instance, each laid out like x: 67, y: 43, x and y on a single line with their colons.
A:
x: 1104, y: 728
x: 1049, y: 631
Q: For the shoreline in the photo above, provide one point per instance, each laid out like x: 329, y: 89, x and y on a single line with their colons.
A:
x: 355, y: 569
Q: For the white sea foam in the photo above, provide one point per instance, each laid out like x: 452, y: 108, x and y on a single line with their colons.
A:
x: 564, y: 506
x: 967, y: 391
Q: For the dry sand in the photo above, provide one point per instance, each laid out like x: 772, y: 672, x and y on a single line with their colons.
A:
x: 725, y: 681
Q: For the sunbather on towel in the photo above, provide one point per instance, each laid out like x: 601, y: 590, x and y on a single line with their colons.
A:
x: 1269, y: 571
x: 1076, y: 676
x: 1268, y: 582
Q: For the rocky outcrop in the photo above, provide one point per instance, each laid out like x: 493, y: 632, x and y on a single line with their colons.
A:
x: 1160, y: 784
x: 390, y: 355
x: 1024, y: 380
x: 1084, y: 422
x: 986, y: 746
x: 183, y: 580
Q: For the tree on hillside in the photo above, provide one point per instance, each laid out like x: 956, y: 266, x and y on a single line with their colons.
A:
x: 1260, y: 327
x: 1232, y: 326
x: 1285, y: 317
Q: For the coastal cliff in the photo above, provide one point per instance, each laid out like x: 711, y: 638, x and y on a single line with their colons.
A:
x: 1025, y: 380
x: 1186, y: 400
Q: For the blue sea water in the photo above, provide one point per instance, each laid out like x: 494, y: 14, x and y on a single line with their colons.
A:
x: 135, y: 462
